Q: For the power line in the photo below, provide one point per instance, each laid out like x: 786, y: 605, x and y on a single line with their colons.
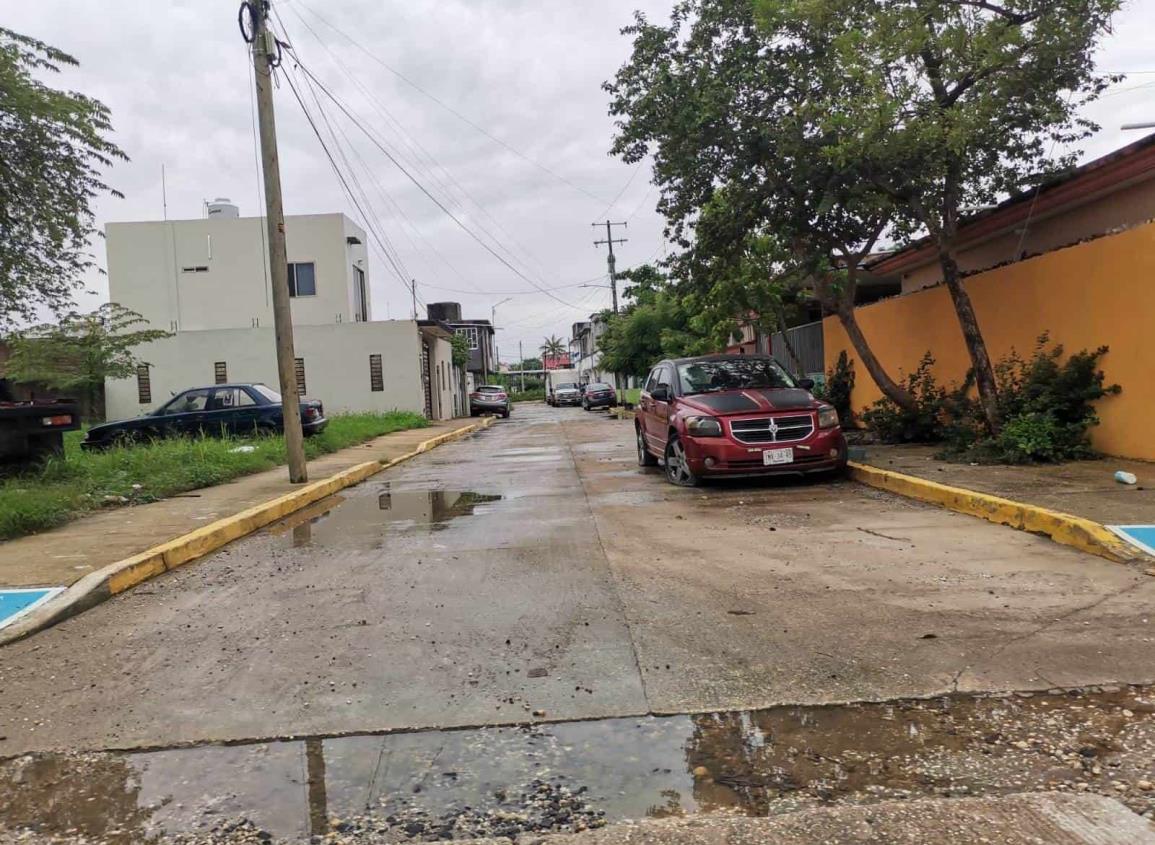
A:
x: 449, y: 108
x: 394, y: 263
x: 340, y: 105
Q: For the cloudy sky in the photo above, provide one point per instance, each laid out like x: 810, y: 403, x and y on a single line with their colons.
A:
x: 528, y: 72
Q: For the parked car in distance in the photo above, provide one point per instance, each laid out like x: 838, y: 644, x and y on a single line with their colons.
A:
x: 490, y: 399
x: 734, y: 415
x: 238, y: 409
x: 32, y: 430
x: 599, y: 395
x: 567, y: 393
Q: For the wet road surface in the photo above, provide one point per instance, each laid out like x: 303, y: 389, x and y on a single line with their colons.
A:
x: 533, y: 574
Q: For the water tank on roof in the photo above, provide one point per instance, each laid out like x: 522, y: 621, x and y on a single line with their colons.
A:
x: 223, y: 207
x: 446, y: 312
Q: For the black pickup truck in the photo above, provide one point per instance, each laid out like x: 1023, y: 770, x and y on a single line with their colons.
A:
x: 33, y: 429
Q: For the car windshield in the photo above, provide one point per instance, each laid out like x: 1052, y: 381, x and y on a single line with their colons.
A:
x: 567, y: 386
x: 732, y: 374
x: 267, y: 392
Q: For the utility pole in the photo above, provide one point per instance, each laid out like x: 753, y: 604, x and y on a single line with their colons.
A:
x: 413, y: 290
x: 266, y: 56
x: 521, y: 366
x: 612, y: 262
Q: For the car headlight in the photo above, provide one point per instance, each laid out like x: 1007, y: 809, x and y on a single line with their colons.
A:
x: 703, y: 427
x: 827, y: 417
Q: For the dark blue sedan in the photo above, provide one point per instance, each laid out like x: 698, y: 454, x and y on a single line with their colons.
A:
x: 221, y: 409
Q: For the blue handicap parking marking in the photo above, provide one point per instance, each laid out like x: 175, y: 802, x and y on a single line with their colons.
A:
x: 17, y: 603
x: 1142, y: 536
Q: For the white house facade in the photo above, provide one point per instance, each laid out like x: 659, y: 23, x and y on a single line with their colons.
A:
x: 207, y: 281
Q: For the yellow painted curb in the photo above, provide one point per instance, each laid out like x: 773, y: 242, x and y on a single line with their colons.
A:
x: 1065, y: 528
x: 126, y: 574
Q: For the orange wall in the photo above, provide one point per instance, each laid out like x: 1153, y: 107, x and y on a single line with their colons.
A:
x: 1096, y: 293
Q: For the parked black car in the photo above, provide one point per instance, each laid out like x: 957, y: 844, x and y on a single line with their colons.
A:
x: 220, y: 409
x: 599, y: 395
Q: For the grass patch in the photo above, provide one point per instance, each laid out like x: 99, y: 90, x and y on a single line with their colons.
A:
x: 80, y: 482
x: 632, y: 395
x: 527, y: 395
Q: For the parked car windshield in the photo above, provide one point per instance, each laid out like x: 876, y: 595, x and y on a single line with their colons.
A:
x: 732, y: 374
x: 267, y: 392
x: 569, y: 385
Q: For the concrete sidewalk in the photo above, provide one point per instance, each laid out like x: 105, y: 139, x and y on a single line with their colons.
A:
x: 1083, y: 488
x: 64, y: 555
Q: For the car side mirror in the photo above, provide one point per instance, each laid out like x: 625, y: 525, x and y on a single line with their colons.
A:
x: 806, y: 383
x: 661, y: 393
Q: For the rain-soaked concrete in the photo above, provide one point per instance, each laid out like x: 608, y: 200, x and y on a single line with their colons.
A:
x: 535, y: 589
x: 506, y: 781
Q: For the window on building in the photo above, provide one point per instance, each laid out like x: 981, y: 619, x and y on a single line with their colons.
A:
x: 303, y: 279
x: 360, y: 299
x: 143, y: 385
x: 300, y: 368
x: 198, y: 269
x: 471, y: 334
x: 221, y: 372
x: 376, y: 375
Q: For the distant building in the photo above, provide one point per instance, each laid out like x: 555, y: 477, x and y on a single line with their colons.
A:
x: 207, y: 281
x: 479, y: 334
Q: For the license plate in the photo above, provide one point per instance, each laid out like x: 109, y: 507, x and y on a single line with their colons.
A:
x: 777, y: 456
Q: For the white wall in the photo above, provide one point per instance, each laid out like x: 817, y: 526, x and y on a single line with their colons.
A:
x: 336, y: 366
x: 147, y: 263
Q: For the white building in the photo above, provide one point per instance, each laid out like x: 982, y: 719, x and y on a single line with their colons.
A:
x: 207, y: 281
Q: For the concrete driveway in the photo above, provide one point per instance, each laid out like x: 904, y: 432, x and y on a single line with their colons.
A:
x: 534, y: 569
x: 534, y: 574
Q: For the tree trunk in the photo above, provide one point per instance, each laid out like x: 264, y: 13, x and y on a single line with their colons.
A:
x: 976, y: 346
x: 893, y: 391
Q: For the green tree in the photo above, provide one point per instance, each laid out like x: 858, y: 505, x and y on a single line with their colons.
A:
x: 82, y: 350
x: 762, y: 213
x: 656, y: 324
x: 552, y: 346
x: 53, y: 146
x: 951, y: 104
x: 461, y: 350
x: 529, y: 364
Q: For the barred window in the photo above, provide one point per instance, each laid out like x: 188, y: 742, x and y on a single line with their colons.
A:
x: 143, y: 385
x: 376, y: 375
x: 221, y: 372
x: 300, y: 368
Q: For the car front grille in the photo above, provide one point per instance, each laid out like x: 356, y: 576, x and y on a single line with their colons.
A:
x: 773, y: 429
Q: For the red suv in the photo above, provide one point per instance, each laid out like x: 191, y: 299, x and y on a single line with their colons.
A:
x: 735, y: 415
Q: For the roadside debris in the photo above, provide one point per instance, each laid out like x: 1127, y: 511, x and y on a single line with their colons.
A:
x: 1124, y: 477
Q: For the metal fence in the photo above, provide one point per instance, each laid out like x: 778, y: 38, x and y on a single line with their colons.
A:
x: 807, y: 343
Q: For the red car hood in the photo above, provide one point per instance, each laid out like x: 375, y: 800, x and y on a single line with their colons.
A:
x: 760, y: 400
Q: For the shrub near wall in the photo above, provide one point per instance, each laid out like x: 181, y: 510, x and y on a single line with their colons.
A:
x: 1089, y: 295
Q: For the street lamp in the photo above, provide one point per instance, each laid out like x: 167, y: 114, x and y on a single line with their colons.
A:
x: 493, y: 325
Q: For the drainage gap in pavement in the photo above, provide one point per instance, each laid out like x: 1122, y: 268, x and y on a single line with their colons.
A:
x: 573, y: 775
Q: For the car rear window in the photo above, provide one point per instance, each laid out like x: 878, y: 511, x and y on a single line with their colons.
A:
x: 599, y: 386
x: 489, y: 389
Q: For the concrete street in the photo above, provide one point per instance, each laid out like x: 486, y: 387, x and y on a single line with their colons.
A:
x: 533, y: 573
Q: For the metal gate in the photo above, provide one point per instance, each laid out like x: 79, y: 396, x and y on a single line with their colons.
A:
x: 808, y: 346
x: 426, y: 381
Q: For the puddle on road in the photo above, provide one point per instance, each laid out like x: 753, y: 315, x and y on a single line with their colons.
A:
x: 501, y: 781
x: 373, y: 511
